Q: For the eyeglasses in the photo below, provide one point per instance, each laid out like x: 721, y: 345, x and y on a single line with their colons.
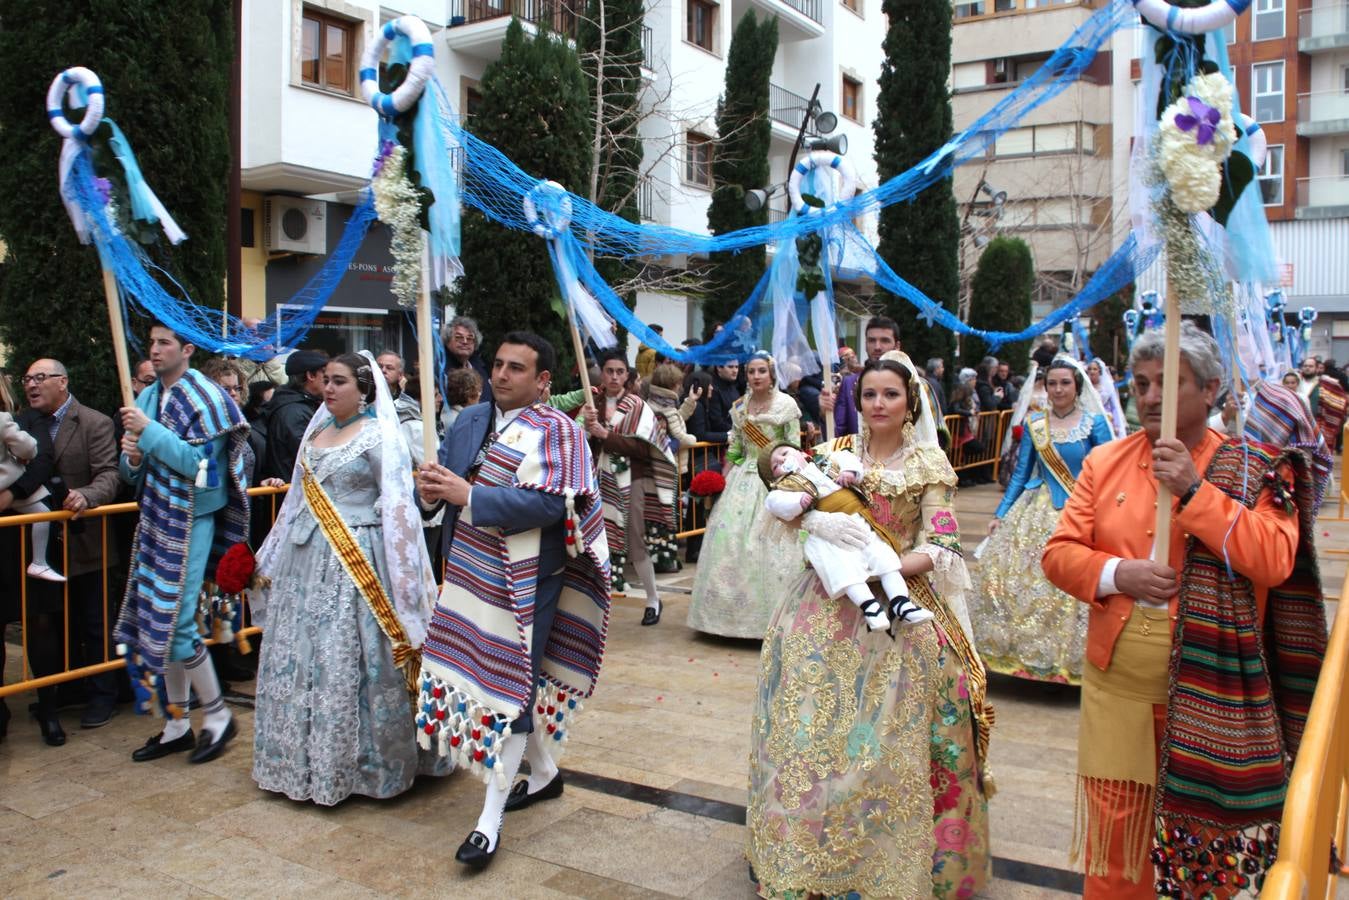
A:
x: 146, y: 380
x: 38, y: 377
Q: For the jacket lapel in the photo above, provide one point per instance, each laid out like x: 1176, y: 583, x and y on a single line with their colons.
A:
x: 467, y: 450
x: 66, y: 432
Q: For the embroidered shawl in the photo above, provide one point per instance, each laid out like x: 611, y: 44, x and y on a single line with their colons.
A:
x: 476, y: 666
x: 1240, y: 692
x: 198, y: 412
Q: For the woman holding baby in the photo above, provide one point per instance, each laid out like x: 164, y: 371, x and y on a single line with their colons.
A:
x: 868, y: 764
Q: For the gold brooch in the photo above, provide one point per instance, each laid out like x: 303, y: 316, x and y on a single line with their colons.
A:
x: 1119, y: 501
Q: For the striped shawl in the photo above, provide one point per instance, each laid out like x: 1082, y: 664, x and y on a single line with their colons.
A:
x: 1240, y: 693
x: 635, y: 418
x: 198, y: 412
x: 476, y: 660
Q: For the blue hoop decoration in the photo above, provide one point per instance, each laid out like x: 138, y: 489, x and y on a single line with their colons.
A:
x: 1214, y: 17
x: 816, y: 159
x: 71, y: 81
x: 547, y: 208
x: 420, y: 69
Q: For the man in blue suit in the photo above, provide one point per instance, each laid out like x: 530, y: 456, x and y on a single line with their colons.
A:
x: 526, y: 594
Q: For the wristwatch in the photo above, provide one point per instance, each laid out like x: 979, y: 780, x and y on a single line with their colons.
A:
x: 1189, y: 493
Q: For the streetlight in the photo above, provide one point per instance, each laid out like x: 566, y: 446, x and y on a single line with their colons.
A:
x: 819, y: 120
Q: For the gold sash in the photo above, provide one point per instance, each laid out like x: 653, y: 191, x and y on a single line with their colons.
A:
x: 849, y: 501
x: 405, y: 656
x: 1049, y: 454
x: 755, y: 434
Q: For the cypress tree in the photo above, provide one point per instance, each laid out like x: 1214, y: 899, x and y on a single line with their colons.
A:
x: 1000, y: 299
x: 740, y: 164
x: 165, y: 68
x: 920, y: 238
x: 534, y: 110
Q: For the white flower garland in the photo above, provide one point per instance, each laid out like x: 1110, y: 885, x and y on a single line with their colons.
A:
x: 1193, y: 170
x: 399, y: 206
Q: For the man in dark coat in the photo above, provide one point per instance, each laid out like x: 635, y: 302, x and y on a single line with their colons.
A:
x: 289, y: 411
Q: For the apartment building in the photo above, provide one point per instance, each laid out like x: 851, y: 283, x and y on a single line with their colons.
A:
x: 308, y: 139
x: 1059, y: 179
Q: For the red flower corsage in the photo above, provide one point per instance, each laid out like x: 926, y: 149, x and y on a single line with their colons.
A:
x: 707, y: 483
x: 235, y: 569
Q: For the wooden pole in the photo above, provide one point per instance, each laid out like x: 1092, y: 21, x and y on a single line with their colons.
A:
x: 118, y: 337
x: 1161, y: 551
x: 581, y: 368
x: 829, y: 419
x: 426, y: 356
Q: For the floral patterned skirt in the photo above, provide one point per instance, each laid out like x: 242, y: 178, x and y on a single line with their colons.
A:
x: 1023, y: 625
x: 862, y: 771
x: 747, y: 561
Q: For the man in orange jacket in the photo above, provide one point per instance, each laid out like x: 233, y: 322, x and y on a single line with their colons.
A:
x: 1167, y: 653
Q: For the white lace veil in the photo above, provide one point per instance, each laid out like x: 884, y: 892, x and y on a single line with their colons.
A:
x: 925, y: 428
x: 1087, y: 398
x: 1115, y: 414
x: 409, y: 582
x: 1022, y: 408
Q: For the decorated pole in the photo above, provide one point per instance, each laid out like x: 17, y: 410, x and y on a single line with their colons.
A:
x: 1161, y: 548
x: 423, y: 216
x: 84, y: 89
x: 426, y: 354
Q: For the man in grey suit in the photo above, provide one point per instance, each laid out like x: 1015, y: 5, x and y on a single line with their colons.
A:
x: 85, y: 477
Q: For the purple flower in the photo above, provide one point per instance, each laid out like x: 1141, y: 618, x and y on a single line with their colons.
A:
x: 104, y: 187
x: 385, y: 149
x: 1204, y: 121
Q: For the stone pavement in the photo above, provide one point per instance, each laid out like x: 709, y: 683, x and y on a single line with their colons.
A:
x: 653, y: 804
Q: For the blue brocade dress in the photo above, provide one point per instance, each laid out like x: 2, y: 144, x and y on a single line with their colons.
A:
x: 1023, y: 625
x: 333, y: 716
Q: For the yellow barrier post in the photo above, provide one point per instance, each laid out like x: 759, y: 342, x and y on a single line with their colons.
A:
x: 1312, y: 811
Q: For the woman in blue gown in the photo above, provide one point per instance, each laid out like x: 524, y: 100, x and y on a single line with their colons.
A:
x: 1023, y: 625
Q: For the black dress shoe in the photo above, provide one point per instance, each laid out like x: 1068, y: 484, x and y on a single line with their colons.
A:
x: 96, y: 715
x: 473, y: 851
x: 50, y: 726
x: 520, y: 797
x: 651, y: 616
x: 156, y: 748
x: 208, y: 749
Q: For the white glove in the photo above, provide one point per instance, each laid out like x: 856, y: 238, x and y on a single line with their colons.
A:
x: 839, y: 529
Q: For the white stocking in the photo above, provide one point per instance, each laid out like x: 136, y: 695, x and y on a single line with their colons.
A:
x: 894, y: 585
x: 494, y: 804
x: 542, y: 768
x: 175, y: 689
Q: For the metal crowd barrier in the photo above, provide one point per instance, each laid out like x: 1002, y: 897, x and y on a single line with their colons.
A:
x: 102, y: 515
x: 1315, y: 825
x: 977, y: 440
x: 691, y: 512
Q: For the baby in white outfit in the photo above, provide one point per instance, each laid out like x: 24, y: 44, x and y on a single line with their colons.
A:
x: 844, y: 563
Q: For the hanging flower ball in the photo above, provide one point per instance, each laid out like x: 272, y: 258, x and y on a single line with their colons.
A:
x: 235, y: 569
x: 707, y: 483
x: 1194, y: 137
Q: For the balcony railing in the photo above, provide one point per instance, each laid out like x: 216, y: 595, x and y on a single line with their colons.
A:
x: 1323, y: 28
x: 559, y: 16
x: 1323, y: 112
x: 1332, y: 190
x: 812, y: 9
x: 786, y: 107
x: 646, y: 200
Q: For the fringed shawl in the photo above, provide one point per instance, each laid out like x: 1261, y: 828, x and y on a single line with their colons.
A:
x: 632, y: 417
x: 198, y: 412
x: 476, y: 667
x: 1239, y: 692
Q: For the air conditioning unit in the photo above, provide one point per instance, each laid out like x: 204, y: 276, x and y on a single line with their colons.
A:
x: 295, y: 225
